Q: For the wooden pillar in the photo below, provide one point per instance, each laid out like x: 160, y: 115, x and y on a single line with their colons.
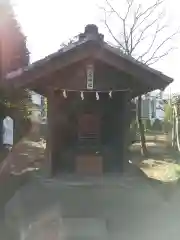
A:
x: 53, y: 148
x: 126, y: 121
x: 49, y: 137
x: 121, y: 102
x: 117, y: 128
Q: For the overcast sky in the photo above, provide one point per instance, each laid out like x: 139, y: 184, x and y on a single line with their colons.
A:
x: 47, y: 23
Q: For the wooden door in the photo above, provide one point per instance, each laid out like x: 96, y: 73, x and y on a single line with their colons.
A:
x: 89, y: 126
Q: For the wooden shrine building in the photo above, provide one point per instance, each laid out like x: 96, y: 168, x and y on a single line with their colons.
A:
x: 89, y: 86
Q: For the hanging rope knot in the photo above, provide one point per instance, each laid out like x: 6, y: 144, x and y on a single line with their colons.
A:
x: 64, y: 94
x: 82, y: 95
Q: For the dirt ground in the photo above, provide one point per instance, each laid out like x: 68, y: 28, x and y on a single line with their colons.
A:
x: 162, y: 163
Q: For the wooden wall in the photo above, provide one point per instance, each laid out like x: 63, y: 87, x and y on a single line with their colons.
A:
x: 63, y: 131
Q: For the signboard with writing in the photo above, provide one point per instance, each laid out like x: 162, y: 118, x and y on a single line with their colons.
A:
x: 8, y: 130
x: 153, y: 107
x: 90, y: 76
x: 145, y: 108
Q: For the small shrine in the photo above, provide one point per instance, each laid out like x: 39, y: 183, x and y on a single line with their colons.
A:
x: 89, y: 86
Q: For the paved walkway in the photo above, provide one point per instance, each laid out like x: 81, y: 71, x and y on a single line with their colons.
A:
x: 69, y: 207
x: 119, y: 207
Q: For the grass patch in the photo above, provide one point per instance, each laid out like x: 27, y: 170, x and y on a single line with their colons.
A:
x: 164, y: 171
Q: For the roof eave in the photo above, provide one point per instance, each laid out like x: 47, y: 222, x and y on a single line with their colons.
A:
x: 77, y: 52
x: 59, y: 60
x: 117, y: 52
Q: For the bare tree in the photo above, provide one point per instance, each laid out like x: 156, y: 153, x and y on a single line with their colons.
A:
x: 142, y: 35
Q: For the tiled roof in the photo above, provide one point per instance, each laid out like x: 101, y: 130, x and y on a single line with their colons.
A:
x: 90, y: 35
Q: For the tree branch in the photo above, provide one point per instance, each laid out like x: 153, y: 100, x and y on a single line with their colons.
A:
x: 132, y: 28
x: 125, y: 37
x: 143, y: 32
x: 110, y: 31
x: 133, y: 35
x: 156, y: 59
x: 123, y: 19
x: 129, y: 48
x: 161, y: 45
x: 151, y: 9
x: 113, y: 10
x: 153, y: 41
x: 130, y: 3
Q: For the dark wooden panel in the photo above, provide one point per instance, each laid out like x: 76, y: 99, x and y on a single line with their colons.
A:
x: 146, y: 76
x: 89, y: 164
x: 107, y: 78
x: 73, y: 78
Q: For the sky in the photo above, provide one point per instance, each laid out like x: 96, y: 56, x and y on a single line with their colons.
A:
x: 48, y: 23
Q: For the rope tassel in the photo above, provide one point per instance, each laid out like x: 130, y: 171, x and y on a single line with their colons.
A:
x: 64, y: 94
x: 110, y: 94
x: 82, y: 95
x: 97, y: 96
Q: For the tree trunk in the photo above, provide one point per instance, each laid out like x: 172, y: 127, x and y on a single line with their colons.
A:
x: 144, y: 150
x: 173, y: 130
x: 176, y: 127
